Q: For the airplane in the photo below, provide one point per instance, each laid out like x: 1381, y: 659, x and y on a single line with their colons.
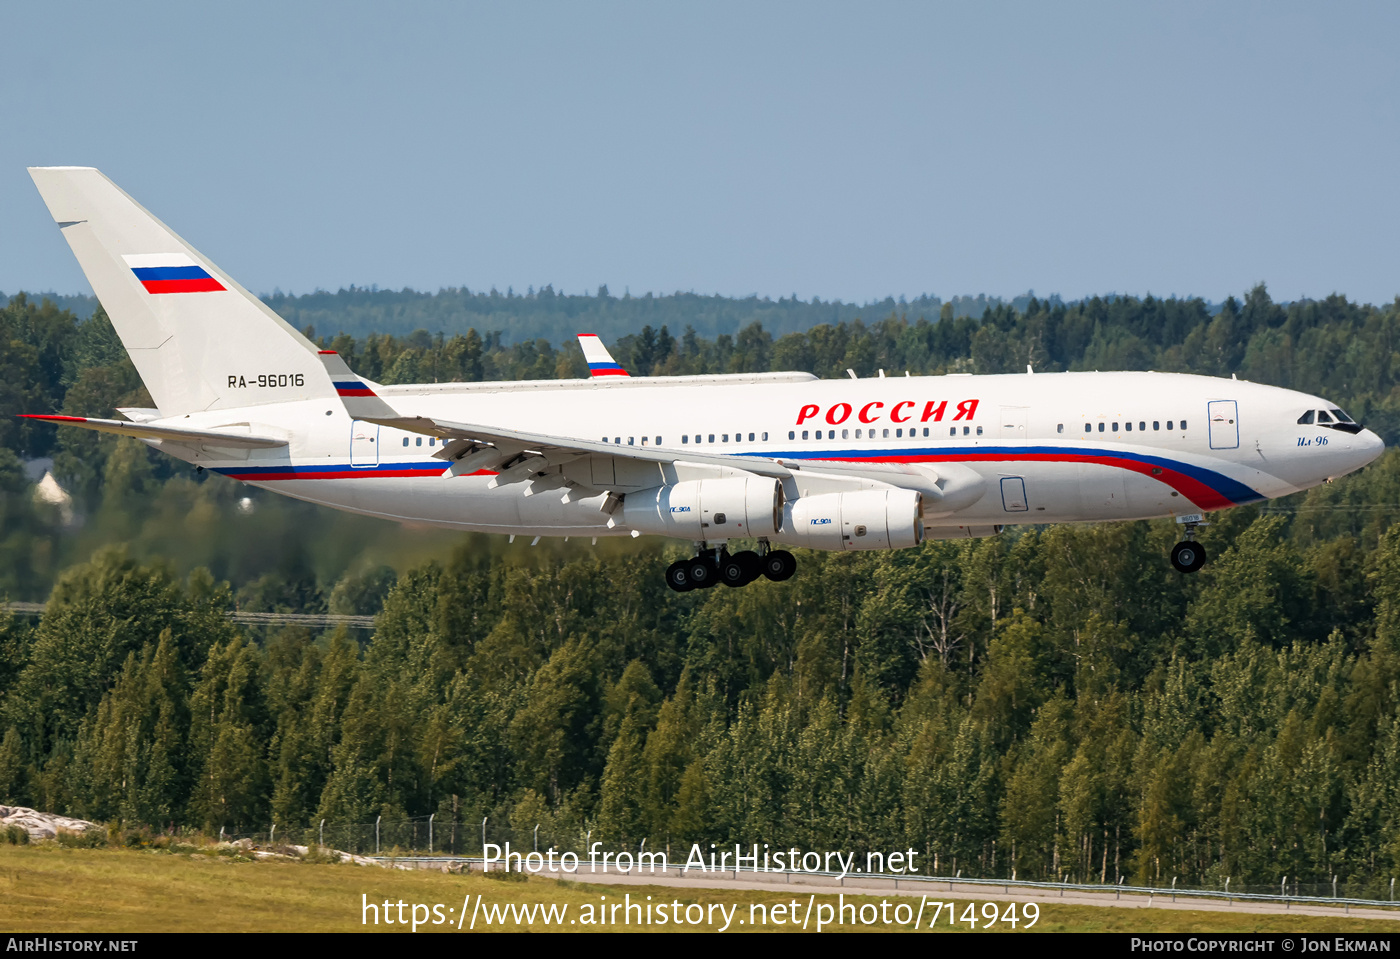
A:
x: 779, y: 459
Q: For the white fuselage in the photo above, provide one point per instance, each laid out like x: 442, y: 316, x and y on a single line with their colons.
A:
x: 1048, y: 447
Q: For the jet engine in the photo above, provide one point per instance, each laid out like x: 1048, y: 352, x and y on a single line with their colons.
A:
x: 707, y: 509
x: 864, y: 519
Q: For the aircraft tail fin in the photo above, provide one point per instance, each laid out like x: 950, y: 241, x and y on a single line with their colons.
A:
x: 198, y: 339
x: 600, y: 361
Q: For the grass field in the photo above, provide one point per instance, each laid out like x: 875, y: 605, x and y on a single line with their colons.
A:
x: 52, y: 889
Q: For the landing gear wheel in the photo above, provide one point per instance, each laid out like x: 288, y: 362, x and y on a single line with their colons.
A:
x: 703, y: 573
x: 740, y: 569
x: 1188, y: 557
x: 779, y: 564
x: 678, y: 576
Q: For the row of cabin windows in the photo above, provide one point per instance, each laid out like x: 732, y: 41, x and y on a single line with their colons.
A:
x: 432, y: 441
x: 686, y: 439
x: 879, y: 434
x: 1127, y: 426
x: 723, y: 437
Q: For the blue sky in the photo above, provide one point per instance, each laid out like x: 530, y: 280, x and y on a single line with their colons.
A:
x: 836, y: 150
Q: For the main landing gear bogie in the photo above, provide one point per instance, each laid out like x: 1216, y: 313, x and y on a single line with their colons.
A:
x: 711, y: 567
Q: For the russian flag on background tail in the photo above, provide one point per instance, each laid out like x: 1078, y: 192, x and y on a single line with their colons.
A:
x: 600, y: 361
x: 171, y: 273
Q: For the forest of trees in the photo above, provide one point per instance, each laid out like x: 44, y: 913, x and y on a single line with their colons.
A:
x: 512, y: 317
x: 1056, y: 701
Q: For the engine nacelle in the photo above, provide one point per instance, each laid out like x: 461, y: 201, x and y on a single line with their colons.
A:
x: 707, y: 509
x: 865, y: 519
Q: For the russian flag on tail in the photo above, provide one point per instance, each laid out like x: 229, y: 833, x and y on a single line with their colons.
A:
x: 600, y: 361
x: 171, y: 273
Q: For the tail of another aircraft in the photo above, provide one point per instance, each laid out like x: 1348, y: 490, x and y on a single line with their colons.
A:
x: 199, y: 340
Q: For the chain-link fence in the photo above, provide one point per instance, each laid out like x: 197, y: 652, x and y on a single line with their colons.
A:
x: 426, y: 835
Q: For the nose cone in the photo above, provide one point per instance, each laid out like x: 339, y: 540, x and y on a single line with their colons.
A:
x: 1355, y: 451
x: 1370, y: 445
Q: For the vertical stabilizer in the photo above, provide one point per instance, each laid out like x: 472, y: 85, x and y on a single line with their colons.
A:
x: 199, y: 340
x: 600, y: 361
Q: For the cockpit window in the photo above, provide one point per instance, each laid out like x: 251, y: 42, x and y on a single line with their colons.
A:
x: 1332, y: 419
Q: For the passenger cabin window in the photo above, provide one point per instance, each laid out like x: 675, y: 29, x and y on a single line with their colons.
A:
x: 1101, y: 427
x: 405, y: 439
x: 1156, y: 425
x: 1142, y: 424
x: 1183, y: 424
x: 765, y: 437
x: 1128, y: 427
x: 804, y: 434
x: 1060, y: 428
x: 792, y: 435
x: 1169, y: 424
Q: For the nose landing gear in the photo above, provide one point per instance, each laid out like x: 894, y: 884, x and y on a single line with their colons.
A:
x: 1188, y: 556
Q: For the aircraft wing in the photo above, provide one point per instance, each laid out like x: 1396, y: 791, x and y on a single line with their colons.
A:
x: 466, y: 441
x: 144, y: 431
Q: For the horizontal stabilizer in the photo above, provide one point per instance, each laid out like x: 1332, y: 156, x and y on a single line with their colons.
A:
x: 171, y: 434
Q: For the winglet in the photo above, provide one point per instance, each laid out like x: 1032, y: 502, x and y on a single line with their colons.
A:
x: 361, y: 402
x: 600, y: 361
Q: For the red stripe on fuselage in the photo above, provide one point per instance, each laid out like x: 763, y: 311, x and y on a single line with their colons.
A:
x: 369, y: 472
